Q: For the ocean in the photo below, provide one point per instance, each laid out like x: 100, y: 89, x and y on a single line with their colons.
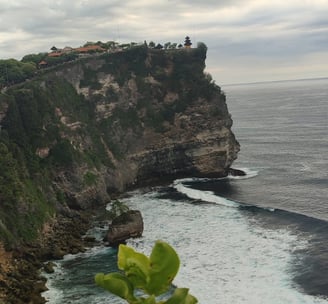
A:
x: 261, y: 238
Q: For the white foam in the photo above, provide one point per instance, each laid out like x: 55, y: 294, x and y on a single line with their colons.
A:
x: 53, y: 295
x: 224, y: 258
x: 250, y: 173
x: 305, y: 167
x: 206, y: 196
x: 88, y: 253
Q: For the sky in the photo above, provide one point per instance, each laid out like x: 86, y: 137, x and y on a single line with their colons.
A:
x: 247, y: 40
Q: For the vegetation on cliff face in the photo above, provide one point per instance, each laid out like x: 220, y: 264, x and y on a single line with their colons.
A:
x: 74, y: 134
x: 24, y: 208
x: 13, y: 71
x: 27, y: 195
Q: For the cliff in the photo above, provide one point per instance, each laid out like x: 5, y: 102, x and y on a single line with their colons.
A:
x: 75, y: 134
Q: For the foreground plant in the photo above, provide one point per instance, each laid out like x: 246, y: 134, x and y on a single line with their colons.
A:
x: 152, y: 275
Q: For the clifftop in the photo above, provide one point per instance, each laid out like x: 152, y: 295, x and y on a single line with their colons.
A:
x: 73, y: 136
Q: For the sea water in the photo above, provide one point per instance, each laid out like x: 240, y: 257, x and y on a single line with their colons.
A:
x: 261, y: 238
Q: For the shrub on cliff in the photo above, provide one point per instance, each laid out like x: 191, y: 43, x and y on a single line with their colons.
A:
x: 117, y: 208
x: 13, y: 71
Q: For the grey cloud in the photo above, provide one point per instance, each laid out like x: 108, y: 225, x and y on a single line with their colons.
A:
x: 194, y: 4
x: 258, y: 32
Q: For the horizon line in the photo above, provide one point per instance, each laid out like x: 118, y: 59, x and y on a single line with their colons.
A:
x: 274, y: 81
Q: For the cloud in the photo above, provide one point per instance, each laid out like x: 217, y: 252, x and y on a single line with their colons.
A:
x: 259, y: 35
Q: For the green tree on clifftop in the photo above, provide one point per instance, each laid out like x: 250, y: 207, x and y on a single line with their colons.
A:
x: 13, y: 71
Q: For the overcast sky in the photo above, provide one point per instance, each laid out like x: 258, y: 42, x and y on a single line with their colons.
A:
x: 248, y: 41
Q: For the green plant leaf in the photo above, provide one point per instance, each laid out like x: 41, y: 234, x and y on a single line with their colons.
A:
x: 153, y: 275
x: 135, y: 265
x: 181, y: 296
x: 149, y: 300
x: 164, y: 265
x: 117, y: 284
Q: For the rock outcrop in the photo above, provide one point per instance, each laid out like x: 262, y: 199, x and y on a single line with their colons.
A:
x: 160, y: 116
x: 20, y: 280
x: 127, y: 225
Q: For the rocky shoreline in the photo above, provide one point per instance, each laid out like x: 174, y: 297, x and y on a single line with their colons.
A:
x: 21, y: 279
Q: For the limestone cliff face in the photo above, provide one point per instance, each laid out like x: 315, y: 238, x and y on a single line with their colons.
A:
x: 160, y: 116
x: 75, y: 134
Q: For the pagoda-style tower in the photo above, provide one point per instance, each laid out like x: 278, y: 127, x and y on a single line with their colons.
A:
x: 187, y: 43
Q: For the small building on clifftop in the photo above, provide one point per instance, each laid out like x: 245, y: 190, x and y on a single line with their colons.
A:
x: 187, y: 43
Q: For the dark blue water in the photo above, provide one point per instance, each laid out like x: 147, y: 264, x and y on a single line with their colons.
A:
x: 258, y: 239
x: 283, y: 131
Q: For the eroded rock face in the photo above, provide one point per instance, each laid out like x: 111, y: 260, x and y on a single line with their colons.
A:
x: 158, y: 114
x: 106, y: 123
x: 127, y: 225
x: 203, y: 147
